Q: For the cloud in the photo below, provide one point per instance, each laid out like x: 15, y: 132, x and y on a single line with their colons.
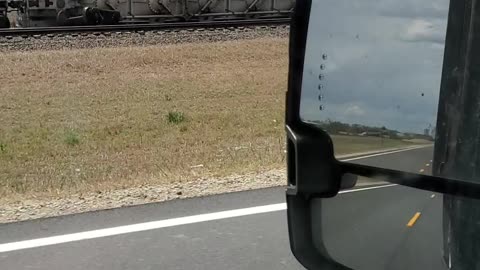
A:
x: 424, y: 31
x: 414, y: 8
x: 380, y: 70
x: 354, y: 110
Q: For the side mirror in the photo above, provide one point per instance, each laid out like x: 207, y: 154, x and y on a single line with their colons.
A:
x: 393, y: 81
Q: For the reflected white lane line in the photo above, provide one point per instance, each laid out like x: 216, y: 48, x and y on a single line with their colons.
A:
x: 367, y: 188
x: 386, y: 153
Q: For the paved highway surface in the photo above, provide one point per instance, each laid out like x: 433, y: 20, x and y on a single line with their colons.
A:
x: 365, y: 229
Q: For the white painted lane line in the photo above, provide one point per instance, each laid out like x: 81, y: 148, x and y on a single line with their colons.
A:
x: 140, y: 227
x: 73, y: 237
x: 385, y: 153
x: 366, y: 188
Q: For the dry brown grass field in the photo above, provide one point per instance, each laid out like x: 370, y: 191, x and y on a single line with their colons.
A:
x: 79, y: 120
x: 108, y: 118
x: 357, y: 144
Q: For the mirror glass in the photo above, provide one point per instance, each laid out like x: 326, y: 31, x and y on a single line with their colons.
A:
x: 372, y: 76
x: 371, y: 80
x: 383, y: 226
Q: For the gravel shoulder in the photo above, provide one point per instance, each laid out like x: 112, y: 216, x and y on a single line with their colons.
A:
x: 79, y: 203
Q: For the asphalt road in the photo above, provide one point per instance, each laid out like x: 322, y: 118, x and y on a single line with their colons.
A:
x: 364, y: 229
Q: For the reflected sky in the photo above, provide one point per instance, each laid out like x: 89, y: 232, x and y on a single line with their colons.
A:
x: 375, y: 63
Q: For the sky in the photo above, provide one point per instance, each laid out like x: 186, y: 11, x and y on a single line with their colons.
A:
x: 380, y: 62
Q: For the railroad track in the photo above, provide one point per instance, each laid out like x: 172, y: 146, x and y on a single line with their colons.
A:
x: 33, y: 31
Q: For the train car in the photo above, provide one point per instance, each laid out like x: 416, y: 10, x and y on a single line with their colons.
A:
x: 4, y: 21
x: 36, y: 13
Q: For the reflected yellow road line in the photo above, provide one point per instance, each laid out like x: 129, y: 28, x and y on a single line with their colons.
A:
x: 413, y: 219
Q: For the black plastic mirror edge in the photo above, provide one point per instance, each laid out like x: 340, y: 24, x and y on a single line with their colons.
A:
x: 309, y: 147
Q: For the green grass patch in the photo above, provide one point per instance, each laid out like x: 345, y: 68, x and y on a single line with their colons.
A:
x: 3, y: 147
x: 72, y: 138
x: 175, y: 117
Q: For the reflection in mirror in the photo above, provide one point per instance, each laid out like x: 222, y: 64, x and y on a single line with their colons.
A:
x: 372, y: 76
x: 378, y: 226
x: 372, y: 79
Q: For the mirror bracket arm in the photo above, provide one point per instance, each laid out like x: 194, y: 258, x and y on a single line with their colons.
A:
x: 312, y: 168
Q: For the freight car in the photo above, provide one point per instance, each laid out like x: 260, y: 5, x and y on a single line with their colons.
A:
x: 4, y: 21
x: 36, y: 13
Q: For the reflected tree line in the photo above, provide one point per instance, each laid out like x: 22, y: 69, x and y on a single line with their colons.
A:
x: 339, y: 128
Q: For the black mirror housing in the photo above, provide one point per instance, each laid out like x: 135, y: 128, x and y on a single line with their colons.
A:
x: 312, y: 166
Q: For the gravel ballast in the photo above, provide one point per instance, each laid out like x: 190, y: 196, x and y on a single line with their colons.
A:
x: 140, y: 38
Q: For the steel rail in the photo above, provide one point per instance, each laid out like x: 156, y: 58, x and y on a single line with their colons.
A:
x: 30, y: 31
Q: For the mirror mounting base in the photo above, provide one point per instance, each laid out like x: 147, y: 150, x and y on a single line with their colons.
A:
x: 312, y: 168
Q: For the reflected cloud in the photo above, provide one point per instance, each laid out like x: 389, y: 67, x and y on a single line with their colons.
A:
x: 354, y: 110
x: 414, y: 8
x: 383, y: 64
x: 424, y: 31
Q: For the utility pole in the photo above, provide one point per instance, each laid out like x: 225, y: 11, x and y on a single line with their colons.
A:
x: 457, y: 137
